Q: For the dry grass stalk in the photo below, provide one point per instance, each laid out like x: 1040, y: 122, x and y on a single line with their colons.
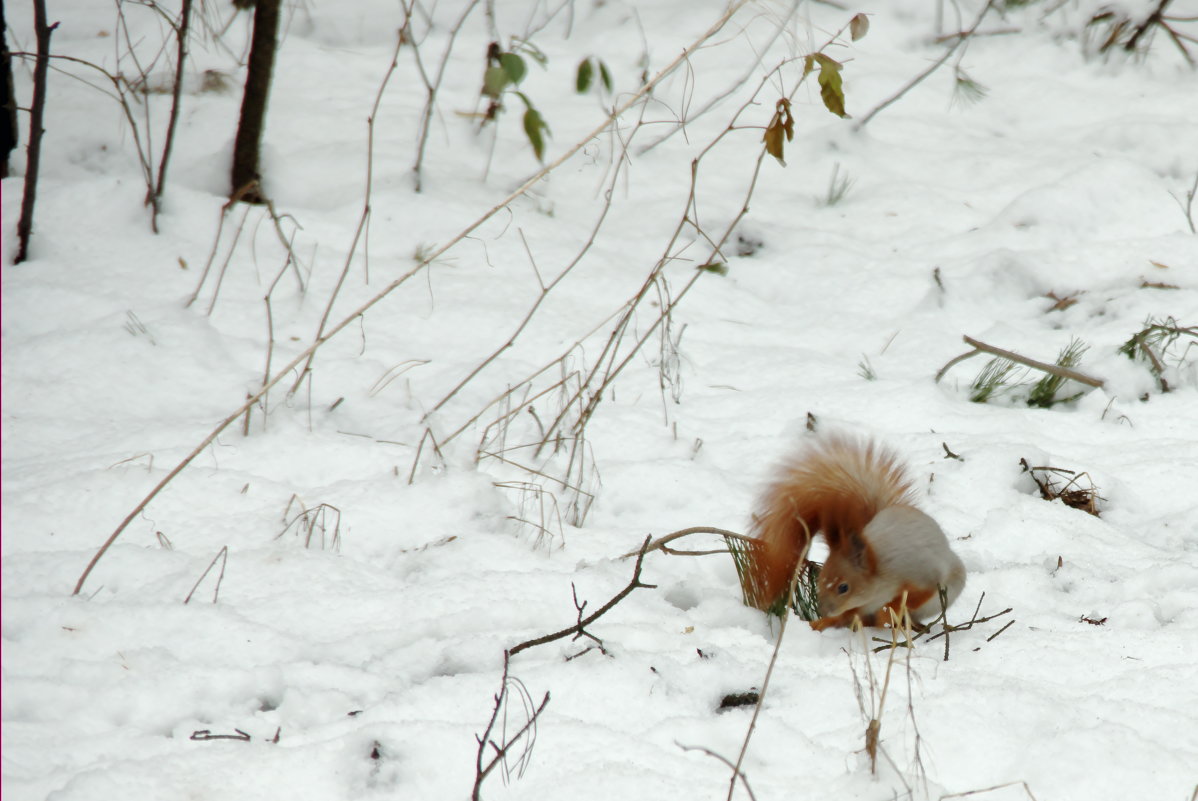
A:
x: 322, y: 520
x: 223, y: 557
x: 1071, y: 492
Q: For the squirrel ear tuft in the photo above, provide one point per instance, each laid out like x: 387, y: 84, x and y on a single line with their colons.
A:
x: 859, y: 552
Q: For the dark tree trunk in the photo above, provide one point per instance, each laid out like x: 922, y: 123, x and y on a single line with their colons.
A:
x: 36, y: 110
x: 246, y: 175
x: 8, y: 101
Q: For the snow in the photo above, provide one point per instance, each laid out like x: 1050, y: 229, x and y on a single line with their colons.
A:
x: 361, y: 660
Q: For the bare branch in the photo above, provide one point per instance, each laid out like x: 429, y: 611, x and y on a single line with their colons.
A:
x: 660, y: 543
x: 577, y: 628
x: 501, y: 750
x: 1052, y: 369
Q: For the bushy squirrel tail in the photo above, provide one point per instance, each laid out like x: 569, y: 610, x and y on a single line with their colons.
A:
x: 834, y: 485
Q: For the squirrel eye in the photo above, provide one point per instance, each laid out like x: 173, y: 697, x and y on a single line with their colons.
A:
x: 843, y: 588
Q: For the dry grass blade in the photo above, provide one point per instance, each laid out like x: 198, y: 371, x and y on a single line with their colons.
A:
x: 321, y: 523
x: 223, y: 557
x: 538, y: 509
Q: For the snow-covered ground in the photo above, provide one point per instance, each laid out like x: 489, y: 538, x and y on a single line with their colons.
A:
x: 355, y: 652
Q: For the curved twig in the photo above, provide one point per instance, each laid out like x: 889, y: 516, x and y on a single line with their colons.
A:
x: 659, y: 544
x: 953, y: 362
x: 738, y: 774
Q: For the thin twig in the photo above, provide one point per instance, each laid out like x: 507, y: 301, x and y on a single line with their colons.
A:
x: 545, y: 290
x: 961, y: 38
x: 181, y: 33
x: 206, y: 734
x: 482, y: 772
x: 954, y: 362
x: 1000, y: 631
x: 779, y: 28
x: 431, y: 87
x: 765, y: 686
x: 364, y: 219
x: 743, y: 778
x: 1024, y: 784
x: 659, y: 544
x: 223, y: 556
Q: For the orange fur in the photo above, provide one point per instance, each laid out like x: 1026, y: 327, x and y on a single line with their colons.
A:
x: 835, y: 487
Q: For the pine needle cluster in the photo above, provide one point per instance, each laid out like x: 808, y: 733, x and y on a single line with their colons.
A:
x: 1002, y: 377
x: 805, y: 602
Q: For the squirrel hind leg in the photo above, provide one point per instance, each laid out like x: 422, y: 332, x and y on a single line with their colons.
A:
x: 919, y: 603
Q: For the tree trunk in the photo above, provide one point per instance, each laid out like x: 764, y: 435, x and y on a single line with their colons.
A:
x: 36, y: 111
x: 246, y: 175
x: 8, y: 101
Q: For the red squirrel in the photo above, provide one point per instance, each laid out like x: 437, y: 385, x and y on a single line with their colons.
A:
x: 883, y: 552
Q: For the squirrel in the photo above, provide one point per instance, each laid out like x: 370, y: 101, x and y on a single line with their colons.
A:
x: 884, y: 554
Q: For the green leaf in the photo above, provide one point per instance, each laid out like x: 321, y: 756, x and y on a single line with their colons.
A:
x: 717, y: 267
x: 586, y: 72
x: 605, y: 76
x: 495, y: 80
x: 535, y: 128
x: 831, y: 88
x: 514, y: 66
x: 531, y: 50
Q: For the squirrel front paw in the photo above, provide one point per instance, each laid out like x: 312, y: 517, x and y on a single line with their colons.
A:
x: 852, y: 619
